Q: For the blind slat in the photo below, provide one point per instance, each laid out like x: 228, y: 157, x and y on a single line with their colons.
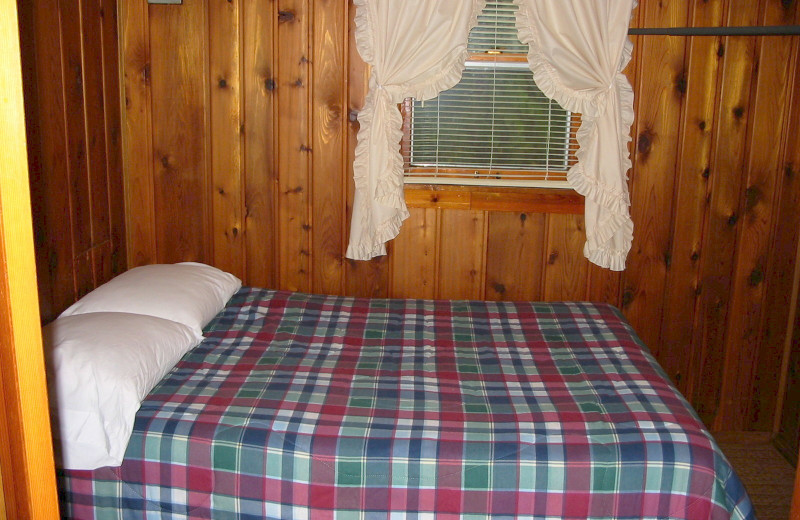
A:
x: 495, y: 119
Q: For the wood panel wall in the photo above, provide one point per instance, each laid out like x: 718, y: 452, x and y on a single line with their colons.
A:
x: 240, y: 126
x: 72, y: 104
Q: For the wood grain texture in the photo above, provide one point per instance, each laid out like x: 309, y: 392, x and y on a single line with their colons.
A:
x: 225, y: 133
x: 723, y: 220
x: 414, y: 260
x: 72, y: 111
x: 180, y: 163
x: 780, y: 273
x: 260, y: 158
x: 656, y: 136
x: 294, y: 149
x: 461, y: 255
x: 72, y: 69
x: 113, y: 141
x: 698, y: 151
x: 770, y: 97
x: 329, y: 131
x: 565, y: 267
x: 682, y: 286
x: 514, y: 261
x: 27, y: 454
x: 137, y: 133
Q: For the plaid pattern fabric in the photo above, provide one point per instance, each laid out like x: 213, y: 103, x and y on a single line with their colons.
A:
x: 321, y: 407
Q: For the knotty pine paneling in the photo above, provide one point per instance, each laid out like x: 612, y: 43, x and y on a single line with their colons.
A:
x: 240, y: 129
x: 71, y: 81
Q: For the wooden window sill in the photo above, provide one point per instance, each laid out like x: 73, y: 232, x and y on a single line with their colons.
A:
x: 527, y: 200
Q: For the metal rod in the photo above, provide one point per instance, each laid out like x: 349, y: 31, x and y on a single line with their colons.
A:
x: 752, y: 30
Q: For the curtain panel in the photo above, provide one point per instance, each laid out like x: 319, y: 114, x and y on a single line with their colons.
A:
x: 416, y: 48
x: 577, y: 51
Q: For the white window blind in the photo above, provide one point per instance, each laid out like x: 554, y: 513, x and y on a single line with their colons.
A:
x: 495, y: 127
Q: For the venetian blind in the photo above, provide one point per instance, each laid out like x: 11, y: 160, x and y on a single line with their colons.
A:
x: 495, y: 127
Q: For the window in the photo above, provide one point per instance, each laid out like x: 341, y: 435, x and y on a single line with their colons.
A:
x: 495, y: 127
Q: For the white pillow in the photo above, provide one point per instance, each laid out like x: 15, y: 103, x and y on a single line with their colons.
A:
x: 100, y: 367
x: 188, y: 293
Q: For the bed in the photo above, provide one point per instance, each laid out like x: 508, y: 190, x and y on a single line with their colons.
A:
x: 322, y: 407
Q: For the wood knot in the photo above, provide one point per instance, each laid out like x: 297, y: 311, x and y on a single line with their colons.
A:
x: 645, y: 142
x: 668, y: 259
x: 681, y: 83
x: 738, y: 112
x: 720, y: 50
x: 552, y: 258
x: 752, y: 196
x: 269, y: 84
x: 523, y: 217
x: 285, y: 16
x: 695, y: 256
x: 298, y: 83
x: 146, y: 73
x: 304, y: 148
x: 222, y: 83
x: 500, y: 288
x: 733, y: 219
x: 627, y: 297
x: 707, y: 172
x: 306, y: 227
x: 756, y: 277
x: 235, y: 232
x: 701, y: 125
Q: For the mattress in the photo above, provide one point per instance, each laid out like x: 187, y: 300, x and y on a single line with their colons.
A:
x: 323, y: 407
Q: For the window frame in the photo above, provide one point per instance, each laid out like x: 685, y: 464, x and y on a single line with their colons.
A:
x: 460, y: 182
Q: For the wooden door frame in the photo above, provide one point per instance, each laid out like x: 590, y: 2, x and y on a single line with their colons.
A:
x: 26, y: 452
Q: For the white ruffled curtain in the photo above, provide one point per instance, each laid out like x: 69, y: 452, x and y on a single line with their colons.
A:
x: 416, y: 48
x: 578, y: 49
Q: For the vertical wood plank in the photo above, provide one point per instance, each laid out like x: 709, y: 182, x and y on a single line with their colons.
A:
x: 137, y: 135
x: 779, y: 274
x: 92, y: 52
x: 226, y: 152
x: 682, y: 286
x: 770, y: 98
x: 661, y: 92
x: 260, y: 86
x: 329, y: 122
x: 414, y: 258
x: 294, y: 80
x: 720, y: 232
x: 113, y: 140
x: 46, y: 130
x: 77, y: 155
x: 461, y: 255
x: 28, y: 456
x: 515, y: 259
x: 565, y: 270
x: 180, y: 162
x: 361, y: 278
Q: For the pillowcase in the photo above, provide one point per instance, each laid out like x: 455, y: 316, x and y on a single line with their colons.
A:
x: 100, y: 367
x: 189, y: 293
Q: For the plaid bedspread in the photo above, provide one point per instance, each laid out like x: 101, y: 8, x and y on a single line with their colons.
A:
x: 314, y: 407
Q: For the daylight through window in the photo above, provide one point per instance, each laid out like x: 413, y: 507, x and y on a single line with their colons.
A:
x: 495, y: 127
